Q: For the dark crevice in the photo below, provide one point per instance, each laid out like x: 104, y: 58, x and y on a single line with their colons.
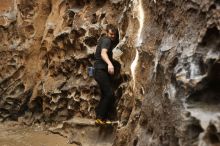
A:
x: 135, y: 142
x: 217, y: 2
x: 76, y: 4
x: 194, y: 130
x: 37, y: 105
x: 213, y: 6
x: 100, y: 2
x: 212, y: 134
x: 91, y: 41
x: 210, y: 93
x: 211, y: 37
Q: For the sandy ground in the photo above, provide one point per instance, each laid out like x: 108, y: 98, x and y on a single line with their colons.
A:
x: 13, y: 134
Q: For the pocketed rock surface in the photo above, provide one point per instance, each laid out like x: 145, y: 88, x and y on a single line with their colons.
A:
x: 171, y: 97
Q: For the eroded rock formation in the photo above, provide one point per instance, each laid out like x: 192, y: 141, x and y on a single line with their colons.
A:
x: 168, y: 86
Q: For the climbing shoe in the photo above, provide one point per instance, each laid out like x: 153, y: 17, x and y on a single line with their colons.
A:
x: 99, y: 122
x: 108, y: 122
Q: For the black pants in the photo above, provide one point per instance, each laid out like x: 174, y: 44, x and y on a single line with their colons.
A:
x: 105, y: 106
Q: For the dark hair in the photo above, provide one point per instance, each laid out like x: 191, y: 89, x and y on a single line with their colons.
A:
x: 112, y: 28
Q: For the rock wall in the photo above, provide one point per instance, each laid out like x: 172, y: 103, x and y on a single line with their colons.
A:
x: 177, y: 83
x: 168, y: 86
x: 46, y: 47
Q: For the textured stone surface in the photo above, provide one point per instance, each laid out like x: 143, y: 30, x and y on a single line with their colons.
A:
x: 173, y: 97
